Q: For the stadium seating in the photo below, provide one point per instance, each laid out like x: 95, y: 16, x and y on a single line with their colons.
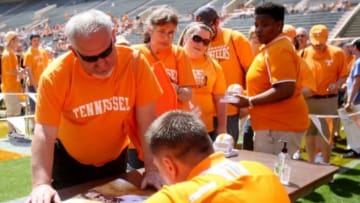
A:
x: 352, y: 29
x: 303, y: 20
x: 21, y: 13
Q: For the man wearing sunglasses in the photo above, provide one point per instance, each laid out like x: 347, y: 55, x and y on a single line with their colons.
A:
x: 87, y: 99
x: 233, y: 51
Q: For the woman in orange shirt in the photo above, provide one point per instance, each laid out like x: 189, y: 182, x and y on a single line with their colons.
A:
x: 169, y: 63
x: 167, y: 59
x: 209, y: 77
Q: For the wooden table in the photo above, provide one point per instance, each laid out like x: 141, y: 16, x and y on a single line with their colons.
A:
x: 304, y: 177
x: 133, y: 177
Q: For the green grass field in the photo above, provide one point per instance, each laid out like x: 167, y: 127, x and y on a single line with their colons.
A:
x: 15, y: 178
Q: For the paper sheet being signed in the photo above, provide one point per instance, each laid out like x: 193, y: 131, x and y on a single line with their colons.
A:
x: 118, y: 190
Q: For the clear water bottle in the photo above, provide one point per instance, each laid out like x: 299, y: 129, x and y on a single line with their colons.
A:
x: 282, y: 166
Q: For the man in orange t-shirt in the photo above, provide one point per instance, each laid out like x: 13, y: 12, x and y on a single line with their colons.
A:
x: 86, y: 100
x: 35, y: 61
x: 35, y: 58
x: 184, y: 154
x: 233, y: 52
x: 327, y: 64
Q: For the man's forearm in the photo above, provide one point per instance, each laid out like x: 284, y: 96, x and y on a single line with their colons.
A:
x: 145, y: 116
x: 42, y: 150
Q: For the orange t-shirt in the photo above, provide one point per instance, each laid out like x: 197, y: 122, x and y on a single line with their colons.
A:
x: 177, y: 64
x: 290, y: 114
x: 37, y: 59
x: 210, y: 81
x: 233, y: 52
x: 9, y: 64
x: 327, y: 67
x: 92, y: 114
x: 216, y: 179
x: 306, y: 77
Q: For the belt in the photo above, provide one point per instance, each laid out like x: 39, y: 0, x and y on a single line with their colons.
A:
x: 324, y: 96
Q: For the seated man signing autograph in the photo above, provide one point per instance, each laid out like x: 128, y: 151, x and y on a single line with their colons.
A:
x: 185, y: 157
x: 86, y: 99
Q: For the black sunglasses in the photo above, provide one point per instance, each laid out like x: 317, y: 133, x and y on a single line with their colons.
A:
x: 198, y: 39
x: 103, y: 54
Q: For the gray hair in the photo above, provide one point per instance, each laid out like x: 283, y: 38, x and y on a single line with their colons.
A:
x: 86, y: 23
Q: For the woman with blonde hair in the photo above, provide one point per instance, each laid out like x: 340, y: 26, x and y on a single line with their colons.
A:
x: 210, y: 81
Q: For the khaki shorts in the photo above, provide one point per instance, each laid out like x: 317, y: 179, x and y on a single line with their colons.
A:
x: 13, y: 105
x: 324, y: 106
x: 268, y: 141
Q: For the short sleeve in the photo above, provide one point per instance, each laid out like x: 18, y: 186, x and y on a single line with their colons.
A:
x: 147, y: 86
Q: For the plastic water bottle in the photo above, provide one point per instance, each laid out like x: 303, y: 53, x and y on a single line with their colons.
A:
x: 282, y: 166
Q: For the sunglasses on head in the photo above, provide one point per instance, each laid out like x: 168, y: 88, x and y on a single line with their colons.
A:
x: 198, y: 39
x: 103, y: 54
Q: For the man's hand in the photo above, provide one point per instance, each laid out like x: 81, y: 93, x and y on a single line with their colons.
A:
x: 42, y: 194
x: 152, y: 178
x: 348, y: 107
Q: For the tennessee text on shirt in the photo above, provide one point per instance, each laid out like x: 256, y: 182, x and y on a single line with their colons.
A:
x: 115, y: 103
x: 220, y: 52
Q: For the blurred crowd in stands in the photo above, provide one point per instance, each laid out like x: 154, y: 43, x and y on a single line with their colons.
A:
x: 54, y: 39
x: 247, y: 10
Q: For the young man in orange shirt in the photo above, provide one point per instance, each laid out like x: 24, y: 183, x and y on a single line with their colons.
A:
x: 36, y: 59
x: 86, y: 100
x: 233, y: 52
x: 184, y: 154
x: 277, y: 108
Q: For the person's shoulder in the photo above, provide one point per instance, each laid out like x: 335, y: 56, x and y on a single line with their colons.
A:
x: 235, y: 33
x: 177, y: 49
x: 5, y: 53
x: 61, y: 65
x: 281, y: 44
x: 142, y: 48
x: 139, y: 46
x: 123, y: 48
x: 335, y: 49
